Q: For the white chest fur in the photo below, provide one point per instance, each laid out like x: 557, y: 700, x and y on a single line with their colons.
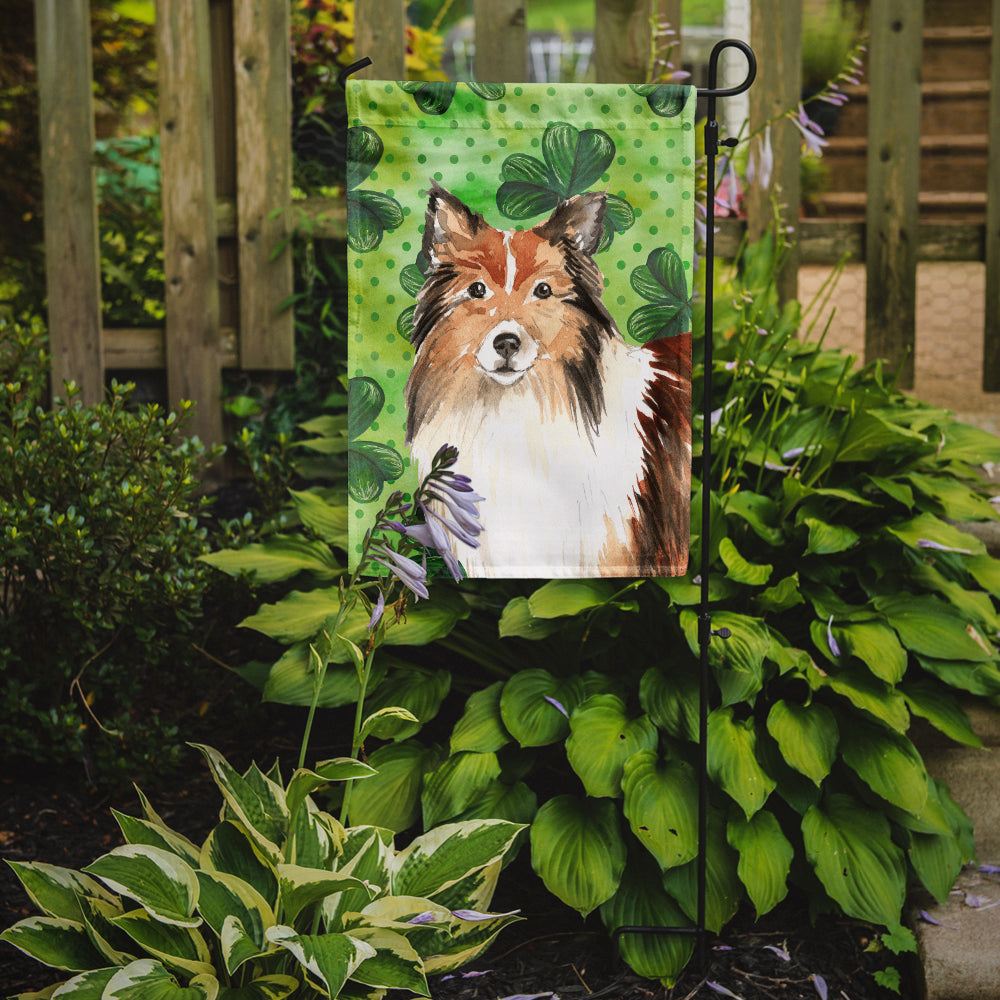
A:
x: 557, y: 498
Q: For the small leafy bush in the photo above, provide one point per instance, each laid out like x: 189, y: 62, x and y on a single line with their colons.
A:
x: 280, y: 899
x: 101, y: 584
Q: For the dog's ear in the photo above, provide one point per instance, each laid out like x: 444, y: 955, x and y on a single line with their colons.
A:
x: 449, y: 226
x: 580, y: 220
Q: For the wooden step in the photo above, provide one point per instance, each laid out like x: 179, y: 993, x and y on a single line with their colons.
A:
x: 945, y: 12
x: 947, y: 162
x: 945, y: 106
x: 956, y: 53
x: 957, y: 206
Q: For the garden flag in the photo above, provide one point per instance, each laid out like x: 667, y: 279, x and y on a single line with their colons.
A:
x: 520, y: 266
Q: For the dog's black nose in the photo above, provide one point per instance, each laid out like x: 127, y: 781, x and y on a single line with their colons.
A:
x: 506, y: 345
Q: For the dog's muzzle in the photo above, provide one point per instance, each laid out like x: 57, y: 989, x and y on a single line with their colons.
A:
x: 507, y: 352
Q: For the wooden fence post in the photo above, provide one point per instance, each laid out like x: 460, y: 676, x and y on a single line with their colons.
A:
x: 501, y: 40
x: 623, y: 38
x: 991, y: 332
x: 262, y: 61
x: 893, y: 183
x: 380, y: 34
x: 72, y: 255
x: 190, y: 251
x: 776, y: 35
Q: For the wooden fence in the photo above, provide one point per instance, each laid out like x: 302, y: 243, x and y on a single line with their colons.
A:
x: 226, y: 161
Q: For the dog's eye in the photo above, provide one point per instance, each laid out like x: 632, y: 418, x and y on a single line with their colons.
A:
x: 477, y: 290
x: 543, y: 291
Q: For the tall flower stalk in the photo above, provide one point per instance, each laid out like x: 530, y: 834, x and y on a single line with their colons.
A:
x: 392, y: 571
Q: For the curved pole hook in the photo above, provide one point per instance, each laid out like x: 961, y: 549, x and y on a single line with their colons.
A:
x: 713, y: 69
x: 348, y: 70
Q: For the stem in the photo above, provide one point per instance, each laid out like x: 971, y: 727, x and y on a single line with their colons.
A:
x: 356, y: 738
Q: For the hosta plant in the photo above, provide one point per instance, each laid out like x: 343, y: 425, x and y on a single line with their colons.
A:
x: 279, y: 900
x: 855, y: 604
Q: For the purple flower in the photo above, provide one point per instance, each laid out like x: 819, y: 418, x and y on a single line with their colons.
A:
x: 719, y: 988
x: 427, y: 917
x: 831, y: 642
x: 927, y: 543
x: 558, y: 705
x: 820, y: 983
x: 377, y: 611
x: 760, y: 165
x: 411, y: 574
x: 475, y: 915
x: 455, y: 492
x: 811, y: 132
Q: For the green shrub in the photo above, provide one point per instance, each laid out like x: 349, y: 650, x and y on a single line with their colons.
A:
x: 279, y: 900
x: 99, y: 539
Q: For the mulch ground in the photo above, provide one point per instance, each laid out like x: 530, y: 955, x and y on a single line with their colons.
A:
x: 550, y: 953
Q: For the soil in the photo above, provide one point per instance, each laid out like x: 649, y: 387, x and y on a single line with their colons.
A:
x: 550, y: 953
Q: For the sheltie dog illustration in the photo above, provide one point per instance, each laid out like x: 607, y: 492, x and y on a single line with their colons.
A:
x: 579, y: 442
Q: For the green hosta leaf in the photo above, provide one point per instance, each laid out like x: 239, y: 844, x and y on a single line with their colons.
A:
x: 937, y: 858
x: 456, y: 784
x: 180, y: 948
x: 928, y: 528
x: 765, y: 858
x: 807, y: 736
x: 438, y: 859
x: 986, y: 572
x: 395, y: 964
x: 941, y: 709
x: 760, y: 512
x: 828, y: 539
x: 420, y: 691
x: 577, y: 159
x: 292, y: 679
x: 671, y: 700
x: 865, y: 692
x: 147, y: 979
x: 387, y: 723
x: 87, y: 986
x: 870, y: 436
x: 957, y: 501
x: 328, y: 520
x: 229, y: 849
x: 365, y: 399
x: 578, y: 851
x: 162, y: 883
x: 371, y: 465
x: 738, y: 661
x: 932, y: 628
x: 876, y: 646
x: 517, y: 620
x: 330, y: 959
x: 530, y: 706
x: 391, y: 798
x: 569, y: 597
x: 850, y: 847
x: 752, y: 574
x: 661, y: 798
x: 54, y: 941
x: 261, y: 809
x: 301, y: 887
x: 141, y: 831
x: 964, y: 443
x: 364, y: 150
x: 641, y: 901
x: 723, y: 889
x: 515, y: 803
x: 56, y: 891
x: 732, y: 760
x: 481, y: 728
x: 279, y: 558
x: 783, y: 595
x: 888, y: 763
x: 601, y: 739
x: 976, y: 678
x: 973, y: 604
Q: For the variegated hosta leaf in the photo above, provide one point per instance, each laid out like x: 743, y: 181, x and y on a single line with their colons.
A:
x: 475, y: 891
x: 661, y: 799
x: 367, y: 853
x: 329, y: 959
x: 732, y: 760
x: 304, y: 782
x: 256, y: 801
x: 158, y: 880
x: 87, y: 986
x: 300, y: 887
x: 395, y: 964
x: 230, y: 849
x: 56, y: 891
x: 274, y: 987
x: 116, y: 946
x: 177, y: 947
x: 149, y: 980
x: 765, y: 858
x: 642, y: 902
x: 141, y: 831
x: 602, y: 737
x: 54, y: 941
x: 807, y: 736
x: 578, y: 851
x: 315, y: 838
x: 225, y: 897
x: 441, y: 857
x: 468, y: 939
x: 850, y: 847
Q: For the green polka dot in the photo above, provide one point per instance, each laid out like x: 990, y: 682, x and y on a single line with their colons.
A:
x: 407, y: 355
x: 589, y: 91
x: 486, y: 126
x: 638, y: 109
x: 406, y: 175
x: 637, y: 178
x: 536, y: 142
x: 671, y: 143
x: 438, y: 176
x: 390, y: 408
x: 621, y: 126
x: 637, y: 143
x: 621, y: 265
x: 470, y: 176
x: 421, y: 123
x: 374, y: 357
x: 535, y: 109
x: 359, y: 263
x: 551, y: 91
x: 653, y: 230
x: 374, y: 280
x: 519, y: 125
x: 390, y: 338
x: 501, y: 142
x: 518, y: 91
x: 421, y: 158
x: 502, y: 108
x: 654, y: 160
x: 470, y: 141
x: 670, y: 178
x: 406, y: 247
x: 453, y: 158
x: 390, y: 373
x: 487, y: 158
x: 359, y: 337
x: 620, y: 300
x: 637, y: 247
x: 390, y: 263
x: 372, y: 106
x: 359, y: 513
x: 374, y: 317
x: 622, y: 92
x: 438, y: 140
x: 572, y: 109
x: 621, y: 161
x: 605, y: 109
x: 358, y: 299
x: 405, y: 141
